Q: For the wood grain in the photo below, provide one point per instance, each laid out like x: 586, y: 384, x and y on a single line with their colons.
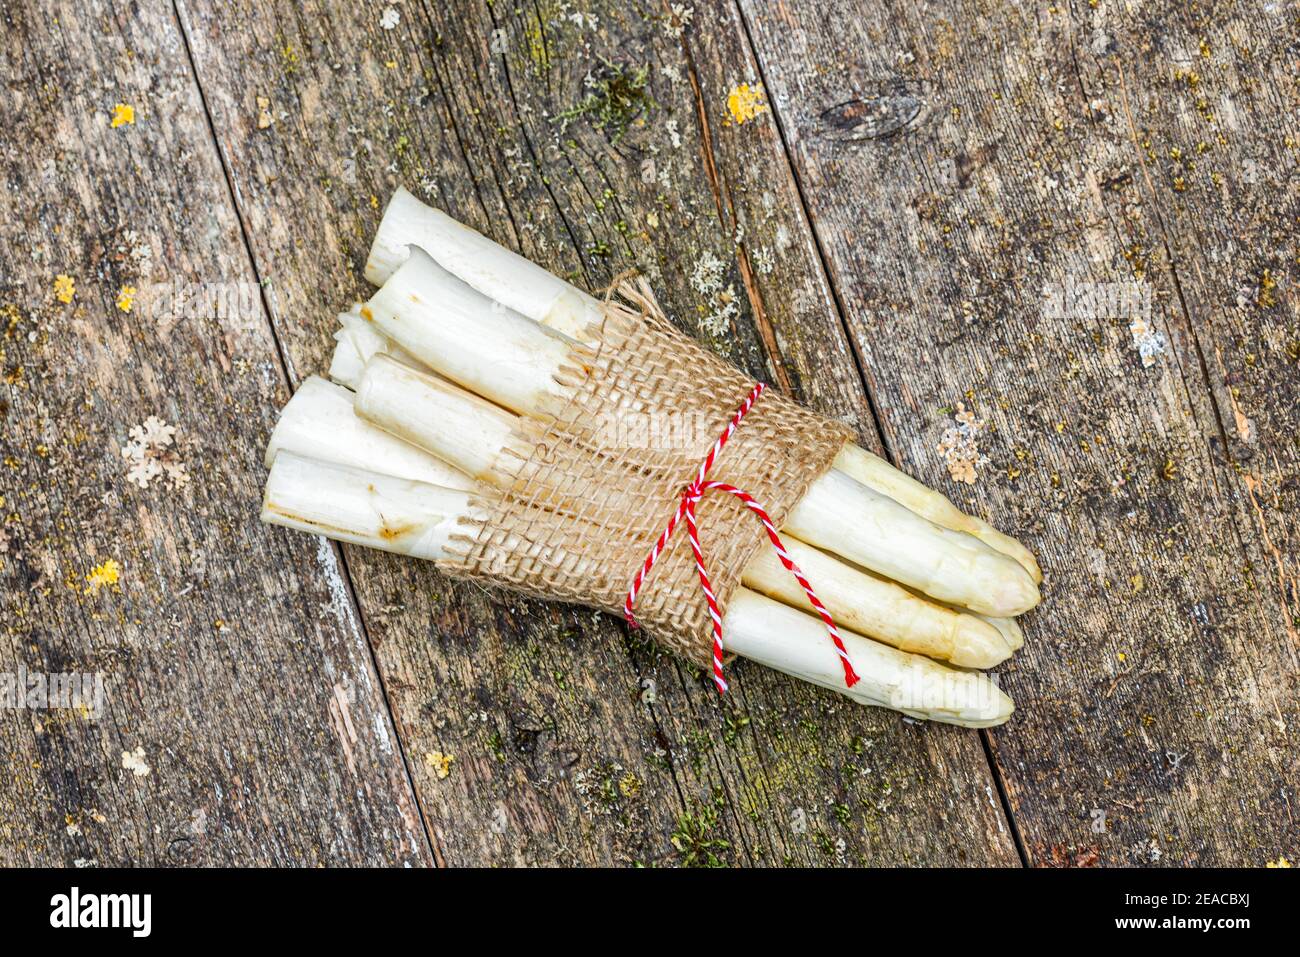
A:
x: 955, y: 164
x: 573, y: 743
x: 243, y: 721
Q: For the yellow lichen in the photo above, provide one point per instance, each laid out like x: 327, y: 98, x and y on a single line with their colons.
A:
x: 1266, y: 298
x: 440, y: 763
x: 64, y: 288
x: 123, y: 114
x: 101, y: 575
x: 126, y: 298
x: 629, y: 785
x: 1280, y: 862
x: 745, y: 102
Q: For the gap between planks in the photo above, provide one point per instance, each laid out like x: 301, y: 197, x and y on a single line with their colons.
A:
x: 288, y: 379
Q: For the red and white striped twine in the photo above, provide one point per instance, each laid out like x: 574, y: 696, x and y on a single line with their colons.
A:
x: 686, y: 509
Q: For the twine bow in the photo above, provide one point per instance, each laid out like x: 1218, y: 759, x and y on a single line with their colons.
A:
x: 691, y: 496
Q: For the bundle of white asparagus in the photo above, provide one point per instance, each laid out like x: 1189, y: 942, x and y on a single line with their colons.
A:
x: 430, y: 379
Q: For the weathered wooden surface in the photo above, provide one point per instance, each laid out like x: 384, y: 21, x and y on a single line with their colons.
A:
x: 955, y: 162
x: 885, y: 225
x: 243, y: 720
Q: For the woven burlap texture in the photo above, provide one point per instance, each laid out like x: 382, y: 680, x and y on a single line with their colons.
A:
x: 590, y: 490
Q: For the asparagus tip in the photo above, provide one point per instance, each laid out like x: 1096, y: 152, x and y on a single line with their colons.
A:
x: 982, y: 645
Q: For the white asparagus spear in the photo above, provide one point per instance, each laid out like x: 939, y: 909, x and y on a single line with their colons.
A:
x: 474, y: 436
x: 411, y: 518
x: 509, y: 278
x: 845, y: 517
x: 319, y: 421
x: 764, y: 631
x: 875, y: 472
x: 877, y: 608
x: 493, y: 270
x: 362, y: 507
x: 505, y: 357
x: 470, y: 339
x: 465, y: 431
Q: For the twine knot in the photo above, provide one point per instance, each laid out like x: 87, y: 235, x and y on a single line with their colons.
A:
x: 691, y: 496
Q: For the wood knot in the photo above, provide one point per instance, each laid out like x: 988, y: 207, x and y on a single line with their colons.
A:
x: 877, y: 112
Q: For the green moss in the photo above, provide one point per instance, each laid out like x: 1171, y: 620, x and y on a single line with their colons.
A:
x: 616, y: 97
x: 538, y: 52
x: 698, y: 744
x: 694, y: 839
x: 735, y: 723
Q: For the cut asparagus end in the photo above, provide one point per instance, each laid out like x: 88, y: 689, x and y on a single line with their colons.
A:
x: 319, y: 422
x: 458, y: 427
x: 876, y: 473
x: 362, y: 507
x: 463, y: 335
x: 353, y: 347
x: 356, y: 342
x: 488, y: 267
x: 787, y: 640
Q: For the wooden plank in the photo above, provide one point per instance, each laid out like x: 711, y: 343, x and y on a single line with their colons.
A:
x: 957, y: 163
x: 572, y: 742
x: 242, y: 718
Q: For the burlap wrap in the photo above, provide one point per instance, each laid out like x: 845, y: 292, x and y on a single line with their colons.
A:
x: 591, y: 490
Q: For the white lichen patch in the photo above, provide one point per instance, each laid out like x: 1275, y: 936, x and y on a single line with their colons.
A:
x: 679, y: 18
x: 799, y: 821
x: 151, y: 453
x: 390, y: 18
x: 959, y: 446
x: 720, y: 306
x: 674, y: 134
x: 671, y: 73
x: 134, y: 761
x: 1150, y: 342
x: 583, y: 21
x: 604, y: 788
x: 135, y: 253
